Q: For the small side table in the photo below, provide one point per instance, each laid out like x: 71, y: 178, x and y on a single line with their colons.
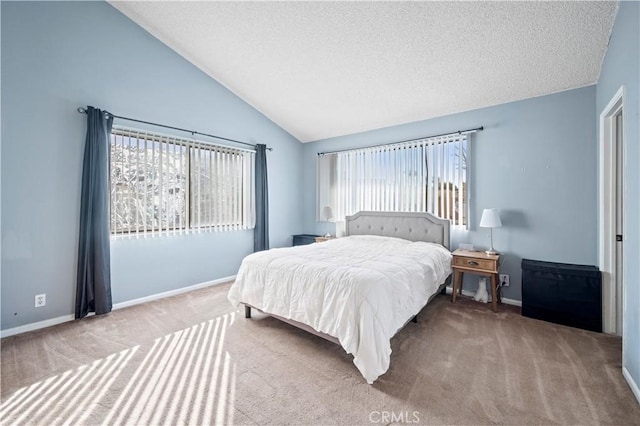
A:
x: 323, y: 239
x: 304, y: 239
x: 479, y: 263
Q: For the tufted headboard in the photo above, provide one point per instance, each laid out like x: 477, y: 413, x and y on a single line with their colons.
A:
x: 406, y: 225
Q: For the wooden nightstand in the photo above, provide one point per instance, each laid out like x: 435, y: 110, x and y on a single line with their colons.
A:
x: 323, y: 239
x: 479, y: 263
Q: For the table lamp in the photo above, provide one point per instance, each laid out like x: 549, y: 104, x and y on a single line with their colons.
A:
x: 327, y: 214
x: 490, y: 219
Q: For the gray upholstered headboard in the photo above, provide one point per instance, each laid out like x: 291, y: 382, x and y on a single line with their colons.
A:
x: 410, y: 226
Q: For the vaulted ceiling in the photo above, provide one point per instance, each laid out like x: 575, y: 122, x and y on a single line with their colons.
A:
x: 324, y: 69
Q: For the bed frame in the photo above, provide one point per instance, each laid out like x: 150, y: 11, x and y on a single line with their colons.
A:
x: 407, y: 225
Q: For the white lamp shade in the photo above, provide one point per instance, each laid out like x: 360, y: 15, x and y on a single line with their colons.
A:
x: 327, y: 213
x: 490, y: 219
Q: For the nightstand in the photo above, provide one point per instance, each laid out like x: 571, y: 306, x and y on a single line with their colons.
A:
x: 323, y: 239
x: 304, y: 239
x: 479, y: 263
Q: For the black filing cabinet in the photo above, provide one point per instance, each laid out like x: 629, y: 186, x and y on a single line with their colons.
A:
x: 303, y: 239
x: 562, y: 293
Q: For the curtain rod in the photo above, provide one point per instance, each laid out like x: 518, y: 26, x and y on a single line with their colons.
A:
x: 459, y: 132
x: 82, y: 110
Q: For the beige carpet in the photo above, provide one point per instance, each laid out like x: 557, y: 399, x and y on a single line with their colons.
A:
x: 191, y: 359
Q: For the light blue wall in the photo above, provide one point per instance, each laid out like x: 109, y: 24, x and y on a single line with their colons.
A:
x: 621, y: 67
x: 535, y: 161
x: 58, y: 56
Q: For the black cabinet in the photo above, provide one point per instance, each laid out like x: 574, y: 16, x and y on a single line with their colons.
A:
x: 562, y: 293
x: 303, y: 239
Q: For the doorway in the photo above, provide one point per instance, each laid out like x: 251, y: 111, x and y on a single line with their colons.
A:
x: 610, y: 218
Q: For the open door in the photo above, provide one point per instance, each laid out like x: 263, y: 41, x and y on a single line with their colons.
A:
x: 610, y: 223
x: 617, y: 134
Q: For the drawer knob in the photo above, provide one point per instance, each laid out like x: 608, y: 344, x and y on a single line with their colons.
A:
x: 474, y: 263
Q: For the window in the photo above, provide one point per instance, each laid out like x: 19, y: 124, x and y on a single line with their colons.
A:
x: 168, y: 184
x: 428, y: 175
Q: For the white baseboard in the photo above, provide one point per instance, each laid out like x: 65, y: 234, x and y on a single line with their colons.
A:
x: 170, y: 293
x: 505, y: 300
x: 512, y: 302
x: 632, y: 384
x: 36, y: 325
x: 66, y: 318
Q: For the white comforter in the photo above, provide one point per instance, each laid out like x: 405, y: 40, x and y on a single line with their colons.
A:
x: 359, y: 289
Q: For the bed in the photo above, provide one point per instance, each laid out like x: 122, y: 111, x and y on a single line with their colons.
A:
x: 357, y: 291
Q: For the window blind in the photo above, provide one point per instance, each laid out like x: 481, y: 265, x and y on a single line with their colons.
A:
x: 427, y: 175
x: 161, y: 184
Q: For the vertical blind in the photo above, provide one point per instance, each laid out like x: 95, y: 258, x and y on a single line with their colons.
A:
x: 427, y: 175
x: 162, y: 184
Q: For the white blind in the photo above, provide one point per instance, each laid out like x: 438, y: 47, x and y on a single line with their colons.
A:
x: 428, y: 175
x: 162, y: 184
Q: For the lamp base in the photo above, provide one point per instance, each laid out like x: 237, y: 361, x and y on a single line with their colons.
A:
x: 491, y: 251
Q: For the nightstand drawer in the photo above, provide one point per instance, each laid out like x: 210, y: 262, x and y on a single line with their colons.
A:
x: 485, y: 264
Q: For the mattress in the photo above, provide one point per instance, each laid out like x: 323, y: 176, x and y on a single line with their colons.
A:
x: 359, y: 289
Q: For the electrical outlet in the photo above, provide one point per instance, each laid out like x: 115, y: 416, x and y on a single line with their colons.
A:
x: 41, y: 300
x: 504, y: 280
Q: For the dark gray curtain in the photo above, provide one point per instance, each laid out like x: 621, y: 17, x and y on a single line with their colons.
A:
x: 93, y: 292
x: 261, y: 231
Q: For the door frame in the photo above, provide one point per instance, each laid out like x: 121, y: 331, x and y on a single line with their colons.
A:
x: 607, y: 207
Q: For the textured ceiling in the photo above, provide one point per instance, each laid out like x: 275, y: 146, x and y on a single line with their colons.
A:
x: 323, y: 69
